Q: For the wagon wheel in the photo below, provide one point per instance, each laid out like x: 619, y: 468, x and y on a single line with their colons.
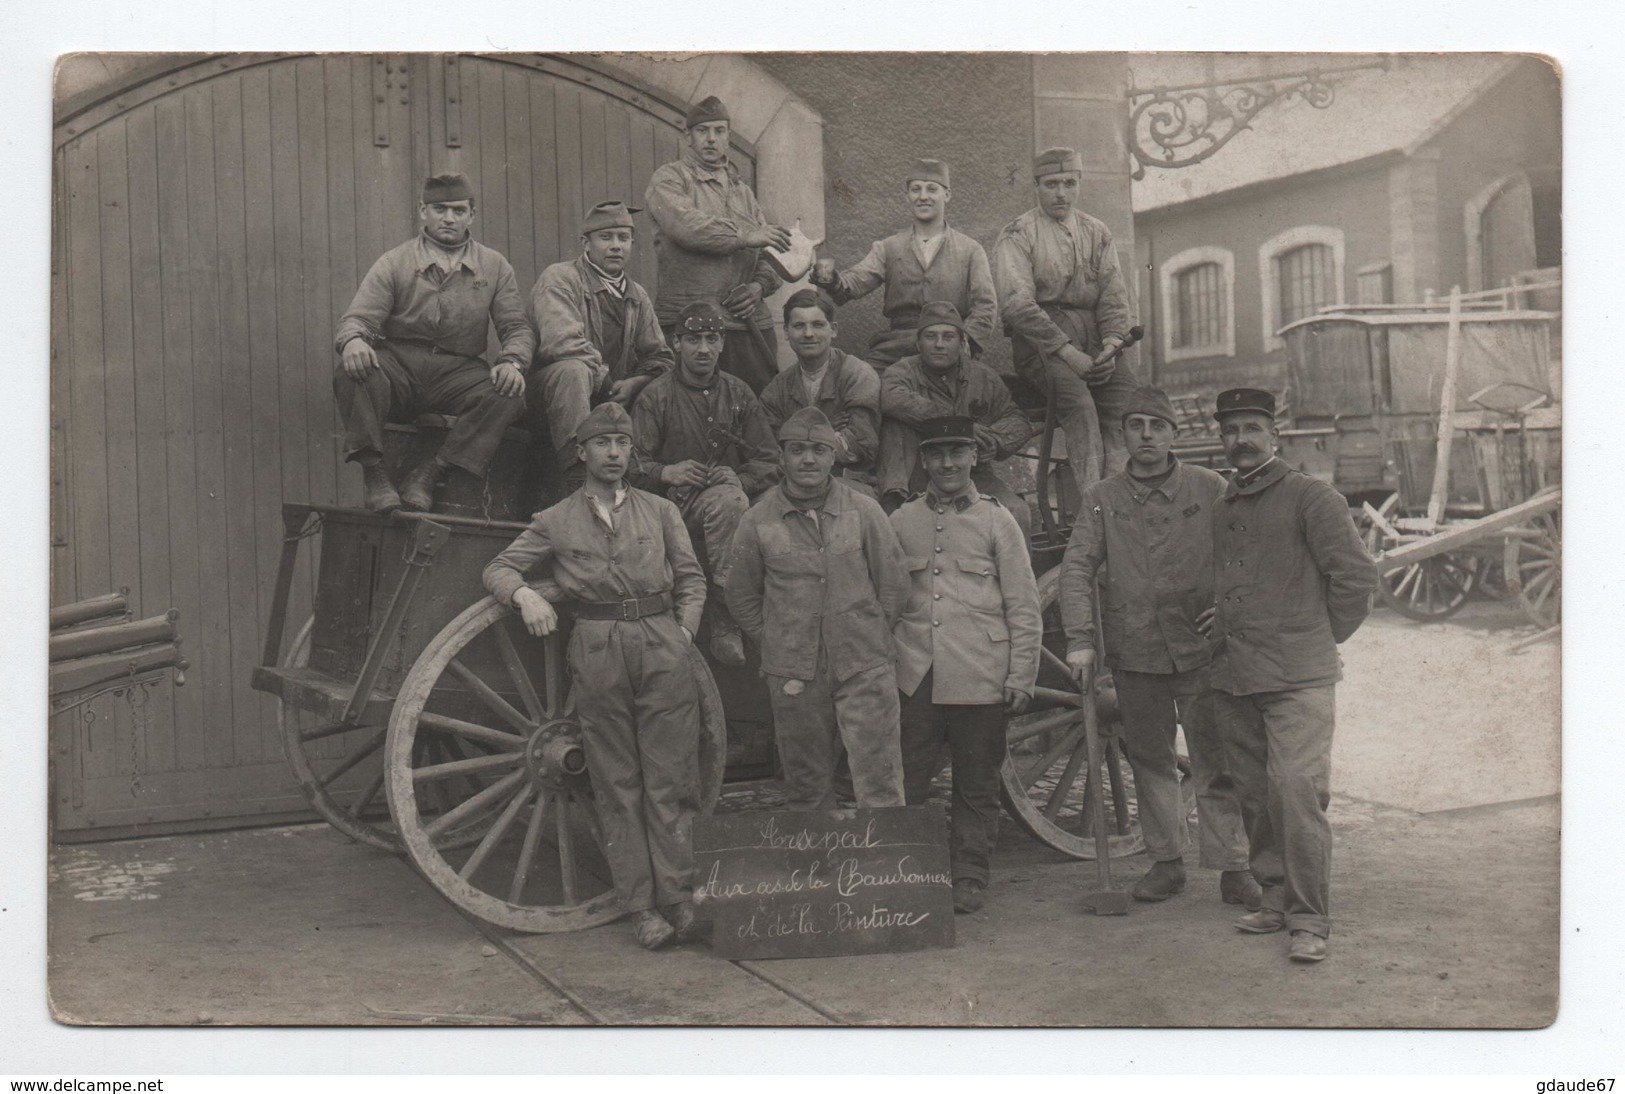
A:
x: 1434, y: 588
x: 502, y: 698
x: 1533, y: 563
x: 328, y: 777
x: 1044, y: 779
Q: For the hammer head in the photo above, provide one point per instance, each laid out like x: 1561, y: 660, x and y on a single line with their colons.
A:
x: 1106, y: 901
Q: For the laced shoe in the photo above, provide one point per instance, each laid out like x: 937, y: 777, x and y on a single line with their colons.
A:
x: 417, y: 490
x: 379, y: 492
x: 652, y: 930
x: 1238, y: 887
x: 968, y: 895
x: 1162, y: 881
x: 1307, y: 948
x: 1263, y: 921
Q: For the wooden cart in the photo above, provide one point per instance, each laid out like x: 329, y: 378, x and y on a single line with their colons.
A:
x: 1432, y: 420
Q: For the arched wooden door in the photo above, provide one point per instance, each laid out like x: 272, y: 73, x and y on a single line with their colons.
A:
x: 211, y: 223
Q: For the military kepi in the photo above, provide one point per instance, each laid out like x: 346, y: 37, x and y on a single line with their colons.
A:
x: 1249, y: 399
x: 708, y: 109
x: 1056, y: 161
x: 952, y: 429
x: 937, y: 313
x: 702, y: 315
x: 808, y: 424
x: 1152, y: 402
x: 608, y: 214
x: 448, y: 187
x: 604, y: 418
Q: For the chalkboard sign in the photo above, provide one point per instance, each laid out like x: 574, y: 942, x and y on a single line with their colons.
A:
x: 851, y: 881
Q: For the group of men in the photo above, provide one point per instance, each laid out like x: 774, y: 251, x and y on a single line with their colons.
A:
x: 846, y: 521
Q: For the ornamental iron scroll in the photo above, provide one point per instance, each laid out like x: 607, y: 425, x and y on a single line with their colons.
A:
x: 1180, y: 126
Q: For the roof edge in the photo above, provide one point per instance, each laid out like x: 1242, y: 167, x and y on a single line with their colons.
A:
x: 1252, y: 189
x: 1449, y: 117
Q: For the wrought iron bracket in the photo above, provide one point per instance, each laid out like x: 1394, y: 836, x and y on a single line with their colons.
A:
x: 1180, y: 126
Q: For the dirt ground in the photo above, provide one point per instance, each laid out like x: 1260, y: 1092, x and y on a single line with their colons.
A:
x: 1446, y: 914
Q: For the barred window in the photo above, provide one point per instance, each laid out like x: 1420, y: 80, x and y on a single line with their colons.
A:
x: 1307, y: 277
x: 1199, y: 311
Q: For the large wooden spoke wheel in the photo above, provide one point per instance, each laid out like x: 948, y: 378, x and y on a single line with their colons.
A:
x: 1532, y: 562
x: 1045, y: 782
x: 497, y: 702
x: 1427, y: 591
x: 340, y: 768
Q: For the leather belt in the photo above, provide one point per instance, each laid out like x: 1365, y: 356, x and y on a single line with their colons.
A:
x: 624, y: 610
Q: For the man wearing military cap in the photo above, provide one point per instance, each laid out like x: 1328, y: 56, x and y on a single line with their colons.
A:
x: 1150, y: 525
x: 704, y: 442
x: 844, y: 388
x: 939, y: 380
x: 411, y: 343
x: 709, y: 235
x: 967, y: 643
x: 598, y: 338
x: 623, y: 560
x: 817, y: 582
x: 1291, y: 581
x: 1065, y: 306
x: 926, y: 261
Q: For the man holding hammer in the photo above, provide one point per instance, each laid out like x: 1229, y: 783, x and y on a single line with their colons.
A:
x: 1150, y: 522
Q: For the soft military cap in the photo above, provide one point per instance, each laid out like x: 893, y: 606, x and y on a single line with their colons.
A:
x: 702, y: 315
x: 1244, y: 399
x: 1151, y: 401
x: 708, y: 109
x: 608, y: 214
x: 808, y: 424
x: 604, y: 418
x: 940, y: 312
x: 1056, y: 161
x: 928, y: 171
x: 950, y: 429
x: 448, y: 187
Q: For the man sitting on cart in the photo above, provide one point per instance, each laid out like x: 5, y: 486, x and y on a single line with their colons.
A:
x: 704, y: 442
x: 624, y: 559
x: 842, y: 386
x: 597, y: 336
x: 943, y: 380
x: 411, y: 344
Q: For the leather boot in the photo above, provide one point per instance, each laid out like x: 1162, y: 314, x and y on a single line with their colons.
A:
x: 652, y: 930
x: 968, y: 895
x: 1162, y: 881
x: 1238, y: 887
x: 378, y: 491
x: 727, y: 644
x: 417, y: 490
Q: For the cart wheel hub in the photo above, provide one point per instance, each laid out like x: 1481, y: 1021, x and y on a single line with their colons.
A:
x: 554, y: 755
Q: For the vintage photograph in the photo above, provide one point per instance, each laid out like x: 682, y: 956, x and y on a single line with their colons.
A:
x: 806, y: 539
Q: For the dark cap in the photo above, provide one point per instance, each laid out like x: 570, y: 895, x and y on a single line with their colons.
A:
x: 700, y: 316
x: 808, y: 424
x: 608, y: 214
x: 1055, y: 161
x: 448, y: 187
x: 1151, y: 401
x: 1239, y: 399
x: 927, y: 171
x: 954, y: 429
x: 708, y: 109
x: 940, y: 312
x: 604, y: 418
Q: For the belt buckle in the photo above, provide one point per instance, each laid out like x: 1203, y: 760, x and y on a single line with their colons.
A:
x: 629, y: 611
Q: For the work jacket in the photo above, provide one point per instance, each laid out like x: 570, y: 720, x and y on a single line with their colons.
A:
x: 700, y: 219
x: 802, y: 584
x: 1157, y: 546
x: 567, y: 310
x: 720, y: 424
x: 648, y: 553
x: 958, y: 273
x: 1059, y: 283
x: 972, y: 617
x: 1292, y: 580
x: 911, y: 393
x: 407, y: 295
x: 849, y: 396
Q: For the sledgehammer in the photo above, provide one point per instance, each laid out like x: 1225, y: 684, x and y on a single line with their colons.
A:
x: 1104, y: 900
